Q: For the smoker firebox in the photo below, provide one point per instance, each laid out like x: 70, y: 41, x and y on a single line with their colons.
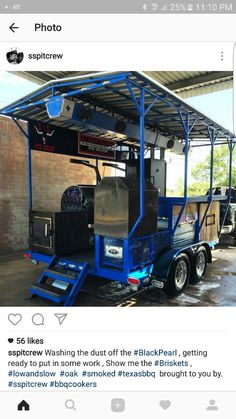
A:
x: 58, y: 233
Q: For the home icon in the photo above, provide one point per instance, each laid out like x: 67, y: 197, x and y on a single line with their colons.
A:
x: 23, y: 406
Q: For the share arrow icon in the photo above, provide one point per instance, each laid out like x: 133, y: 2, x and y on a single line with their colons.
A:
x: 61, y: 317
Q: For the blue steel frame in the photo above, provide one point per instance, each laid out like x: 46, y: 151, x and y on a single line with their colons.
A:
x: 185, y: 118
x: 128, y: 266
x: 231, y: 146
x: 212, y: 136
x: 100, y: 82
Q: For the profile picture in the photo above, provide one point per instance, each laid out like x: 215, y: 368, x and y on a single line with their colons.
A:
x: 14, y: 56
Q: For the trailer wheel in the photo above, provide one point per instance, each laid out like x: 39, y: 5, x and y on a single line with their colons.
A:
x: 178, y: 276
x: 199, y: 265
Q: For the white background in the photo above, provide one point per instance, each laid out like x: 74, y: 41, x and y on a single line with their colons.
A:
x: 211, y: 327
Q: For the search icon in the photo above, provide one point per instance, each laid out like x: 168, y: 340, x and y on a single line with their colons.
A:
x: 70, y: 404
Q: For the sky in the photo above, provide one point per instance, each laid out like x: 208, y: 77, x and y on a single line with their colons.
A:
x: 13, y: 87
x: 218, y: 106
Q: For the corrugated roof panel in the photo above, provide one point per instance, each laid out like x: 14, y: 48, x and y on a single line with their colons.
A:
x: 116, y: 98
x: 178, y: 81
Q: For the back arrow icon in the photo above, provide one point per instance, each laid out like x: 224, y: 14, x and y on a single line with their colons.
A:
x: 12, y: 27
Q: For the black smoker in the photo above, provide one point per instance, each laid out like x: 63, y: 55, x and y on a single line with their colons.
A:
x: 79, y: 198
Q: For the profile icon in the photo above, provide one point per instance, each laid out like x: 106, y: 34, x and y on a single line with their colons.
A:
x: 212, y: 405
x: 14, y: 56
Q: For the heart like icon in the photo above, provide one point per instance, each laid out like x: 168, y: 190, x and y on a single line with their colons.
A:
x: 15, y: 318
x: 165, y: 404
x: 10, y: 340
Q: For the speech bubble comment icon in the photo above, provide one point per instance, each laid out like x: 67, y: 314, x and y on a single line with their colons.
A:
x: 38, y: 319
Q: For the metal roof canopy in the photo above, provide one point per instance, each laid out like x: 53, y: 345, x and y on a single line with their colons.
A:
x: 184, y: 83
x: 117, y: 94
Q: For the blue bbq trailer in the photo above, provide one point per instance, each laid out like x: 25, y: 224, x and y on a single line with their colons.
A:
x: 123, y: 228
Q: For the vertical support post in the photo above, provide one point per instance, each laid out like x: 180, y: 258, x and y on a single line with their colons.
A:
x: 97, y: 179
x: 212, y: 168
x: 29, y: 173
x: 141, y: 161
x: 231, y: 149
x: 141, y: 110
x: 186, y: 128
x: 212, y: 136
x: 186, y: 158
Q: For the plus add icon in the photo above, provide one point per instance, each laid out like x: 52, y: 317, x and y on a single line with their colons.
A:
x: 118, y: 405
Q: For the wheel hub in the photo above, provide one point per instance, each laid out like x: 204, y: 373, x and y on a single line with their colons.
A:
x: 181, y: 274
x: 200, y: 263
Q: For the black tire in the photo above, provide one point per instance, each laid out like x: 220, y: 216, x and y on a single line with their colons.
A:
x: 178, y: 276
x: 198, y: 265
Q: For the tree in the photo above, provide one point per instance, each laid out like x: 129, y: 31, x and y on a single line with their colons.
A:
x: 198, y: 188
x: 194, y: 189
x: 201, y: 172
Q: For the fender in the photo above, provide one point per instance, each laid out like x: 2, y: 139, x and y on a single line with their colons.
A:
x: 162, y: 265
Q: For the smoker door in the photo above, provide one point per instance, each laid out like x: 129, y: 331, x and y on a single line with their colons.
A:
x: 40, y: 232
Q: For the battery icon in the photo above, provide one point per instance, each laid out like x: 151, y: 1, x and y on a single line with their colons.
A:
x: 190, y: 7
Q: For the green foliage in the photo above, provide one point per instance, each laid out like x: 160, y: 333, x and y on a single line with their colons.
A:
x: 198, y: 188
x: 201, y: 172
x: 194, y: 189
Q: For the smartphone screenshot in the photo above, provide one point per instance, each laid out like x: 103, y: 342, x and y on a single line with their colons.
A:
x: 117, y: 209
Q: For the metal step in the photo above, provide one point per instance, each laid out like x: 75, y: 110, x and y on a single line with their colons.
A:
x: 49, y: 292
x: 65, y: 271
x: 45, y: 289
x: 59, y: 275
